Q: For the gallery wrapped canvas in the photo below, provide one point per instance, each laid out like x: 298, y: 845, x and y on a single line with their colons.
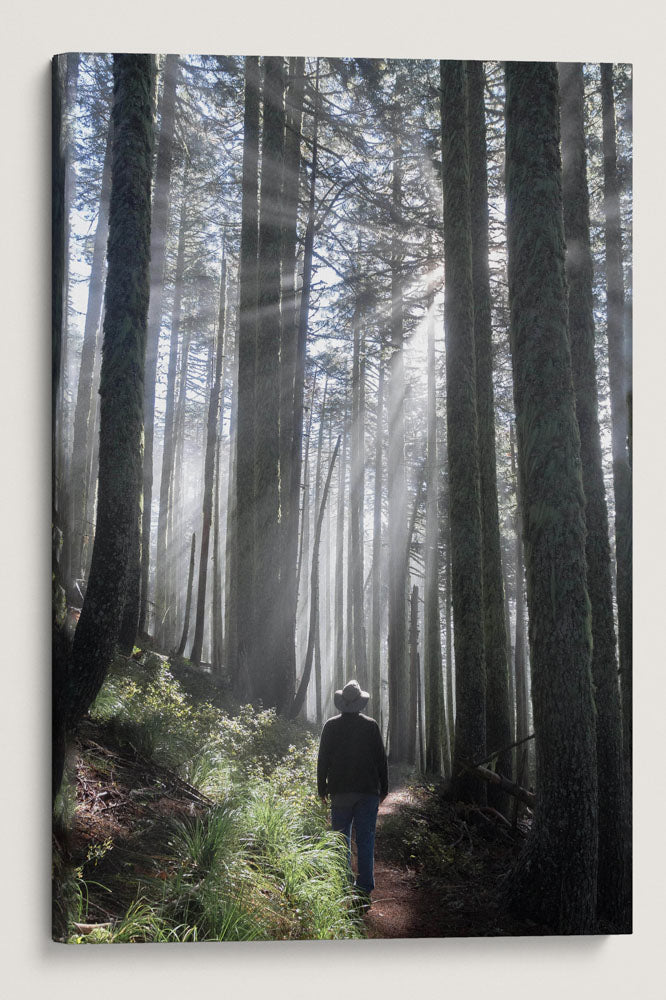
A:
x: 341, y: 498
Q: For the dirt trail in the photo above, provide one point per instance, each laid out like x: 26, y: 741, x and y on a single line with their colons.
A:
x: 399, y: 907
x: 460, y: 897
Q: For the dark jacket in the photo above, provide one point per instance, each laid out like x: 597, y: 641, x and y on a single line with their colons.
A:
x: 351, y: 756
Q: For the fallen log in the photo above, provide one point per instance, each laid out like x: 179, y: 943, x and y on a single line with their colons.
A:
x: 510, y: 787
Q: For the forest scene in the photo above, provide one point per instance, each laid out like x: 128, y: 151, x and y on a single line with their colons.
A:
x: 341, y: 389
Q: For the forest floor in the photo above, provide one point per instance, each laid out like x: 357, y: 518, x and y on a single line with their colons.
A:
x: 438, y: 868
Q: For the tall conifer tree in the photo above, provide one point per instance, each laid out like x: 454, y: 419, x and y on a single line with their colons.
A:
x: 121, y: 386
x: 498, y: 725
x: 556, y: 878
x: 462, y: 437
x: 611, y: 894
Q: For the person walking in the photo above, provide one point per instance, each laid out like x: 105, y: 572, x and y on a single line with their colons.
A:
x: 352, y: 769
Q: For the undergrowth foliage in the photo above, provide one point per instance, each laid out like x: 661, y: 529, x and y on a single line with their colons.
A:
x: 253, y: 860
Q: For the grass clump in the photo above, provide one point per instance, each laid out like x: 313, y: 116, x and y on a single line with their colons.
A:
x: 247, y: 856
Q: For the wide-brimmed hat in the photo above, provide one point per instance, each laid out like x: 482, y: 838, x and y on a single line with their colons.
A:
x: 351, y: 698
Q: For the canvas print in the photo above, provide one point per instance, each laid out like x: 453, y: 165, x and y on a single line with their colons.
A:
x: 341, y: 498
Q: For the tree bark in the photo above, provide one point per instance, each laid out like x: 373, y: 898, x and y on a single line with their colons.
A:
x: 121, y: 386
x: 246, y: 348
x: 377, y: 546
x: 163, y: 610
x: 520, y: 651
x: 289, y: 326
x: 217, y: 645
x: 160, y: 218
x: 299, y: 699
x: 231, y: 573
x: 357, y: 618
x: 432, y: 641
x: 498, y: 725
x: 317, y: 651
x: 462, y: 437
x: 413, y: 672
x: 619, y: 388
x: 84, y: 398
x: 188, y: 601
x: 579, y: 269
x: 63, y: 417
x: 268, y: 675
x: 295, y: 465
x: 339, y: 672
x: 555, y: 880
x: 209, y: 469
x: 398, y: 675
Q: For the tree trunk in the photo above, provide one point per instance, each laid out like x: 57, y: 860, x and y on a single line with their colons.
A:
x: 177, y: 507
x: 462, y: 437
x: 413, y: 672
x: 579, y: 269
x: 244, y: 534
x: 520, y: 651
x: 231, y: 572
x: 209, y: 471
x: 92, y: 465
x: 432, y: 641
x: 339, y: 671
x: 163, y: 610
x: 619, y: 387
x: 398, y: 675
x: 498, y: 724
x: 84, y: 397
x: 267, y: 674
x: 188, y: 602
x: 289, y: 328
x: 555, y: 881
x: 63, y: 416
x: 160, y: 218
x: 317, y: 651
x: 304, y: 540
x: 60, y: 655
x: 357, y: 618
x: 445, y: 530
x: 121, y: 387
x: 375, y: 688
x: 217, y: 650
x: 299, y: 699
x: 295, y: 465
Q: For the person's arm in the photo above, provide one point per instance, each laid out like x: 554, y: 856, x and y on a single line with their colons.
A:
x: 322, y: 763
x: 382, y: 764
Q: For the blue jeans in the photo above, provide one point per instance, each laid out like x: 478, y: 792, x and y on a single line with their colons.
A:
x: 362, y: 812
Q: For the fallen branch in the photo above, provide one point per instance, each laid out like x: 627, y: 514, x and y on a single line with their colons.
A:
x: 529, y: 798
x: 496, y: 753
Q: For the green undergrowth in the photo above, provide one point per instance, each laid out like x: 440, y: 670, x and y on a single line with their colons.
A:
x: 214, y: 829
x: 444, y: 842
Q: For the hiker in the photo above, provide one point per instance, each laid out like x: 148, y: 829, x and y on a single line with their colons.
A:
x: 352, y: 769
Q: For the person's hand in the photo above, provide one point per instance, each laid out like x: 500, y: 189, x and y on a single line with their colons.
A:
x: 322, y: 799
